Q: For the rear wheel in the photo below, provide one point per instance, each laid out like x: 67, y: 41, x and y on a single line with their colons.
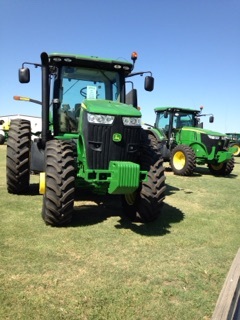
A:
x: 58, y: 199
x: 183, y: 160
x: 145, y: 203
x: 222, y: 169
x: 18, y: 156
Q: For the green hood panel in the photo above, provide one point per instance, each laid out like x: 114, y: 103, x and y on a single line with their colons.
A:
x: 110, y: 107
x: 204, y: 131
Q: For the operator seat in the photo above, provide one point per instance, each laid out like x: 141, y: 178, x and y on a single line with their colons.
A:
x: 166, y: 129
x: 68, y: 122
x: 77, y: 110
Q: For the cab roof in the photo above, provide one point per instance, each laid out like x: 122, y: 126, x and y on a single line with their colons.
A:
x: 176, y: 109
x: 89, y: 61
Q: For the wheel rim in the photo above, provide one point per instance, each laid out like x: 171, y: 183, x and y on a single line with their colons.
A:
x: 217, y: 166
x: 42, y: 183
x: 179, y: 160
x: 130, y: 198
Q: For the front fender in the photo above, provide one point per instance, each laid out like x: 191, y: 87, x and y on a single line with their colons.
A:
x: 233, y: 149
x: 159, y: 135
x: 224, y: 156
x: 216, y: 157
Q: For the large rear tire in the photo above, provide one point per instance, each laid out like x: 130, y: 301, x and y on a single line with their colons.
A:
x: 222, y: 169
x: 18, y: 156
x: 145, y: 204
x: 183, y: 160
x: 58, y: 199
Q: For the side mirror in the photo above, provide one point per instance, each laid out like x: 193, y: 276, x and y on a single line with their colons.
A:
x: 211, y: 119
x: 165, y: 114
x: 149, y: 83
x: 24, y: 75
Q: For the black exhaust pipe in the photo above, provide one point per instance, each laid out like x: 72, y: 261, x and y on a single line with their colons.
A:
x: 45, y: 98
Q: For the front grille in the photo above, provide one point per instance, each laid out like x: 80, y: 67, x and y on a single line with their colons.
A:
x: 220, y: 144
x: 100, y: 147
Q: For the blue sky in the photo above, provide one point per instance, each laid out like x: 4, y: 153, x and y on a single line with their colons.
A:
x: 192, y: 48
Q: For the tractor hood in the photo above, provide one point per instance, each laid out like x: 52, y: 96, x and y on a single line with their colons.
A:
x: 110, y: 107
x: 203, y: 131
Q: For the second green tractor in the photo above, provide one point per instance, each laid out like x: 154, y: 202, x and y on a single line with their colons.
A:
x: 179, y: 137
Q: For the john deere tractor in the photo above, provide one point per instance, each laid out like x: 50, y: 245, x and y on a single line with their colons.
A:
x: 91, y: 139
x: 179, y: 136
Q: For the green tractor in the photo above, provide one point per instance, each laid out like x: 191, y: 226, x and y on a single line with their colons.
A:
x: 235, y: 142
x: 179, y: 137
x: 91, y: 139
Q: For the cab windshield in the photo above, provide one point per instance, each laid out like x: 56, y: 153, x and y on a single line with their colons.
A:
x: 179, y: 120
x: 79, y: 84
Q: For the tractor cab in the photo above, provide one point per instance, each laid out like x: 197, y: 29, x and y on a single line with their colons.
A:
x: 171, y: 120
x: 79, y: 83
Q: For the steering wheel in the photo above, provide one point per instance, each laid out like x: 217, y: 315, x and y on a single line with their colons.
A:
x: 83, y: 92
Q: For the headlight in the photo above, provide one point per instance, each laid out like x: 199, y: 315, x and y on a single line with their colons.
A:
x: 100, y: 118
x: 131, y: 121
x: 213, y: 137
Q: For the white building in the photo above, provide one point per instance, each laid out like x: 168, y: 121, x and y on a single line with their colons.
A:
x: 36, y: 122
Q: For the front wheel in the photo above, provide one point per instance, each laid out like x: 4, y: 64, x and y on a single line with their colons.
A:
x: 183, y: 160
x: 145, y: 204
x: 58, y: 199
x: 222, y: 169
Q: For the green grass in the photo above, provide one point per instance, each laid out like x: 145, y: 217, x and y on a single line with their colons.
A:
x: 104, y: 267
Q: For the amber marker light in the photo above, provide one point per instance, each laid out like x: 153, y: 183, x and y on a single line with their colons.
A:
x: 19, y: 98
x: 134, y: 56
